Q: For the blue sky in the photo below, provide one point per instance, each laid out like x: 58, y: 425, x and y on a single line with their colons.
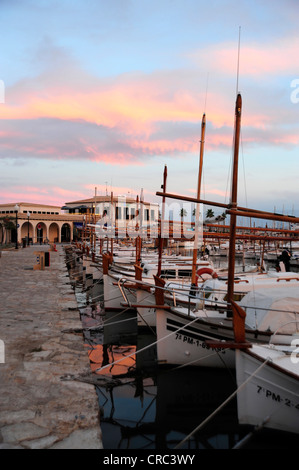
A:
x: 104, y: 94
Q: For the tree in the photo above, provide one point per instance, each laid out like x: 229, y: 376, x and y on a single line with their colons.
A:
x: 183, y: 213
x: 7, y: 225
x: 223, y: 215
x: 209, y: 214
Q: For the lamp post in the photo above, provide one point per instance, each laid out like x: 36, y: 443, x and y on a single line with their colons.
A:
x: 16, y: 211
x: 84, y: 223
x: 28, y: 215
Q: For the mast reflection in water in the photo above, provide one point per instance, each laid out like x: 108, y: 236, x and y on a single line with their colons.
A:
x: 143, y: 406
x: 146, y: 407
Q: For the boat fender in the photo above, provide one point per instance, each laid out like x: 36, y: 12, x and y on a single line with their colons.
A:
x: 199, y: 305
x: 209, y: 271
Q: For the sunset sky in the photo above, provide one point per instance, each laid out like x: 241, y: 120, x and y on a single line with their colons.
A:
x: 103, y: 94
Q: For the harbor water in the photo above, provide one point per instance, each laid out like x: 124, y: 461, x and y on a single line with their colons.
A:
x: 143, y: 406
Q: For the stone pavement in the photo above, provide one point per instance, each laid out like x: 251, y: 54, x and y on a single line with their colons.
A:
x: 40, y: 329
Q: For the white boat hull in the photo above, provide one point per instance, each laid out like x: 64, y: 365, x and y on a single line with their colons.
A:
x: 270, y: 397
x: 113, y: 297
x: 186, y: 346
x: 146, y: 316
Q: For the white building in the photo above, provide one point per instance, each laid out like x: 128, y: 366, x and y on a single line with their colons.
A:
x: 42, y: 223
x: 125, y: 207
x: 122, y: 210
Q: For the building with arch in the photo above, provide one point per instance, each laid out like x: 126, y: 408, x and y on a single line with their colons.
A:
x: 40, y: 223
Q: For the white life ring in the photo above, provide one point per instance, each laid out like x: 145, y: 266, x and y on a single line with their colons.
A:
x: 209, y: 271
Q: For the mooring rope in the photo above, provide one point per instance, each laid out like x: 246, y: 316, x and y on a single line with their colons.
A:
x: 205, y: 421
x: 148, y: 346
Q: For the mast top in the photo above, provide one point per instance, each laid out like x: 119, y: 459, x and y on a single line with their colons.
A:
x: 238, y: 103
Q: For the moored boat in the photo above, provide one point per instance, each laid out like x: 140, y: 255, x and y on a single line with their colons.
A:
x: 268, y: 384
x: 268, y: 373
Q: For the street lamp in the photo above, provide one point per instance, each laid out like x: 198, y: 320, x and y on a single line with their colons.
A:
x: 28, y: 215
x: 16, y: 211
x: 84, y: 223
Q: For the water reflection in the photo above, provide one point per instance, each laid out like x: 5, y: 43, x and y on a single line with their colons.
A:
x: 146, y: 407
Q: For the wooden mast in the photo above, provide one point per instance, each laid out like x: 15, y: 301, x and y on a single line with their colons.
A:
x: 95, y: 221
x: 137, y: 241
x: 233, y: 202
x: 138, y: 268
x: 235, y: 310
x: 160, y: 235
x: 111, y: 203
x: 195, y: 248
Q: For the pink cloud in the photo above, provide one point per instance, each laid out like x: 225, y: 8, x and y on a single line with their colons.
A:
x: 33, y: 189
x: 55, y: 195
x: 50, y: 195
x: 68, y: 193
x: 132, y: 117
x: 255, y: 59
x: 209, y: 190
x: 22, y: 195
x: 102, y: 189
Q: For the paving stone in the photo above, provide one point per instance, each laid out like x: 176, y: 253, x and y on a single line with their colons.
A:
x: 81, y: 439
x: 10, y: 417
x: 43, y: 443
x: 40, y: 356
x: 20, y: 431
x: 38, y: 409
x: 9, y: 446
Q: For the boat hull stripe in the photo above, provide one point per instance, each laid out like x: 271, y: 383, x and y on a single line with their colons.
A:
x: 192, y: 332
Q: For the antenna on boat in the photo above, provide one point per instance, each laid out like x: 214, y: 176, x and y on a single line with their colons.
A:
x: 206, y: 93
x: 238, y: 63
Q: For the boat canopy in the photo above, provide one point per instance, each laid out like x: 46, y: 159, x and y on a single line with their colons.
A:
x: 272, y: 309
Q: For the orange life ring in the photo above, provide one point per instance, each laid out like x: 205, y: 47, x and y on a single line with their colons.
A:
x: 210, y: 271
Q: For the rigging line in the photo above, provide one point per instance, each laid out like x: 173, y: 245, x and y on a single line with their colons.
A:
x: 112, y: 298
x: 229, y: 172
x: 90, y: 287
x: 237, y: 86
x: 248, y: 437
x: 103, y: 324
x: 204, y: 187
x: 243, y: 161
x: 149, y: 345
x: 95, y: 298
x: 281, y: 326
x: 261, y: 425
x: 196, y: 361
x: 144, y: 321
x: 238, y: 63
x: 203, y: 423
